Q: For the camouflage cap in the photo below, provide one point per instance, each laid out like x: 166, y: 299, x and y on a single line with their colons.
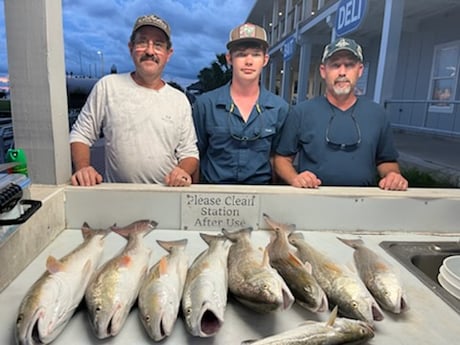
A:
x: 247, y: 32
x: 155, y: 21
x: 343, y: 44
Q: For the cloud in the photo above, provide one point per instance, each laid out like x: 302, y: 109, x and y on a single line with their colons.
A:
x: 200, y: 30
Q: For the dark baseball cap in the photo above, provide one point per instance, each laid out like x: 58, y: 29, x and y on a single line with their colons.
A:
x: 343, y: 44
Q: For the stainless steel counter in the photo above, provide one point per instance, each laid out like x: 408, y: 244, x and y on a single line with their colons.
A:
x: 321, y: 215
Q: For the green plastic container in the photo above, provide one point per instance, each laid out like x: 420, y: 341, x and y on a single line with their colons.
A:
x: 18, y: 156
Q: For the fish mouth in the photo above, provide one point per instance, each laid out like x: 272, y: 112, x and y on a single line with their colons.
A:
x: 32, y: 333
x: 209, y: 323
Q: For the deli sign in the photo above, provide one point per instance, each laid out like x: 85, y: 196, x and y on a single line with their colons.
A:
x: 349, y: 16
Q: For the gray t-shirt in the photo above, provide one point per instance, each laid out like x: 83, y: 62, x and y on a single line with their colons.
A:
x: 147, y: 132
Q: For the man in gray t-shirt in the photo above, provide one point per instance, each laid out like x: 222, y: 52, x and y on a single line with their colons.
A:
x: 147, y: 124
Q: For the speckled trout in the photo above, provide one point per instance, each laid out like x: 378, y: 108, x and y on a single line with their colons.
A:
x: 333, y: 332
x: 379, y: 277
x: 161, y: 291
x: 52, y: 299
x: 205, y: 293
x: 343, y: 287
x: 303, y: 285
x: 115, y: 286
x: 251, y: 279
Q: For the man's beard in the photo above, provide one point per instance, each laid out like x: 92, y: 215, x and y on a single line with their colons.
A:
x: 340, y: 91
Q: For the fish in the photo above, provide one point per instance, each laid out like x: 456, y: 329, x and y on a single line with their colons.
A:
x: 161, y: 291
x: 251, y: 279
x: 52, y: 300
x: 343, y: 288
x: 115, y: 286
x: 333, y: 332
x: 379, y: 277
x: 303, y: 285
x: 204, y: 299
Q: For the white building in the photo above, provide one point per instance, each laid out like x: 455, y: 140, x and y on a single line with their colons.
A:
x: 411, y: 52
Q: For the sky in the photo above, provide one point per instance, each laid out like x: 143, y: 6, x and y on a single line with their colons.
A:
x: 199, y: 30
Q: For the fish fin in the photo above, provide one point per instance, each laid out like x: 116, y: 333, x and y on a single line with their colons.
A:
x: 53, y: 265
x: 308, y: 267
x: 249, y: 341
x: 333, y: 267
x: 333, y: 316
x: 295, y: 236
x: 294, y: 259
x: 163, y: 266
x: 351, y: 266
x: 86, y: 230
x: 265, y: 258
x: 125, y: 261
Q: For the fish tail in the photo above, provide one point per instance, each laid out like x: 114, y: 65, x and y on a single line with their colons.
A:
x: 143, y: 226
x: 208, y: 238
x: 234, y: 235
x: 353, y: 243
x: 169, y: 245
x: 88, y: 232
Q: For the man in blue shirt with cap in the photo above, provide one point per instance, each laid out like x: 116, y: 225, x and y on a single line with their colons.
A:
x: 339, y: 139
x: 238, y: 124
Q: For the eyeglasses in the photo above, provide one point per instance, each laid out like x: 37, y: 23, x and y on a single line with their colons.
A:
x: 144, y: 44
x: 244, y: 138
x: 344, y: 146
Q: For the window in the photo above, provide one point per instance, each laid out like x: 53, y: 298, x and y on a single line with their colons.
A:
x: 444, y: 76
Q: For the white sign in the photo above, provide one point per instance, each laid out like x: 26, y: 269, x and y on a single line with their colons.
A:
x: 214, y: 211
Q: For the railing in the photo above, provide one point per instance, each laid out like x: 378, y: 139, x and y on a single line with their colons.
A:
x: 425, y: 107
x: 6, y: 140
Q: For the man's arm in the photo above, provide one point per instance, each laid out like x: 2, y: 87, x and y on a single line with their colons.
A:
x: 391, y: 178
x: 84, y: 173
x: 284, y: 167
x: 182, y: 174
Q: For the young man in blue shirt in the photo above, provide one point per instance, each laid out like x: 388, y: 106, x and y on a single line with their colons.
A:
x: 238, y: 124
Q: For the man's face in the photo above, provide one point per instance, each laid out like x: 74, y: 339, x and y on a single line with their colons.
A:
x: 150, y: 51
x: 247, y: 62
x: 341, y: 72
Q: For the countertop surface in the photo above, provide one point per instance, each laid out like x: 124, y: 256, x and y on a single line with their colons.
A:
x: 429, y: 320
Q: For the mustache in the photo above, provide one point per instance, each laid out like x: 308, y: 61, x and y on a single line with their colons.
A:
x: 151, y: 57
x: 342, y: 79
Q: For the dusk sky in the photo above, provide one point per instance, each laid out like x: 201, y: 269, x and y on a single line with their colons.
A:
x: 200, y: 30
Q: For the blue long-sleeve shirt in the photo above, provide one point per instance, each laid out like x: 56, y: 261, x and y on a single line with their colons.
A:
x: 232, y: 150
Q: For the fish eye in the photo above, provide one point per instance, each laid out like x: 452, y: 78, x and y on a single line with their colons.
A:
x: 354, y: 304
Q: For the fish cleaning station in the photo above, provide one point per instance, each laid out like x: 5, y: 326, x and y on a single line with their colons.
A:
x: 385, y: 221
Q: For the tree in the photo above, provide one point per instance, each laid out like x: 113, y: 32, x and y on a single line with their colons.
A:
x: 218, y: 74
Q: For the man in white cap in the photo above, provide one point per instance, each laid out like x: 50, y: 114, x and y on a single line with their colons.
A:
x: 339, y: 139
x: 238, y: 124
x: 147, y: 124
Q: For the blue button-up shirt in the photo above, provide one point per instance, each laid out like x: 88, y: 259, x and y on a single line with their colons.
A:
x: 232, y: 150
